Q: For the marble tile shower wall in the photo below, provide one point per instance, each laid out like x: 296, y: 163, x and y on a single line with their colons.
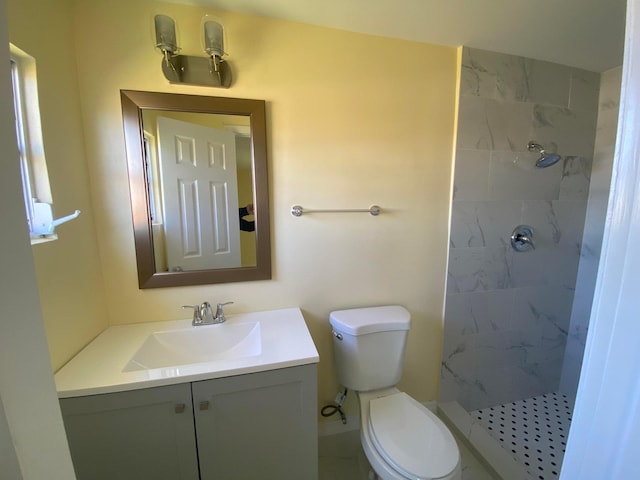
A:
x: 507, y: 313
x: 609, y: 104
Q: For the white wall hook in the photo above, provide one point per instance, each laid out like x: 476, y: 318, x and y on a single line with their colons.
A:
x: 62, y: 220
x: 43, y: 222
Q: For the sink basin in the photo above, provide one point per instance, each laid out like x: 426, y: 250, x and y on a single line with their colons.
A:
x: 225, y: 341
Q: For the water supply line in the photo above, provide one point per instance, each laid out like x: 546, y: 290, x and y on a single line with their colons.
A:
x: 332, y: 409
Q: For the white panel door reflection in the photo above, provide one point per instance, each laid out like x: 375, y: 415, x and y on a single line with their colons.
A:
x: 200, y: 196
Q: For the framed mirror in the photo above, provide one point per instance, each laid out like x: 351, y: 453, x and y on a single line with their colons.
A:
x: 198, y: 185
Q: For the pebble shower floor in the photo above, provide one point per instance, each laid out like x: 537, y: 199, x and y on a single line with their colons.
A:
x: 534, y: 430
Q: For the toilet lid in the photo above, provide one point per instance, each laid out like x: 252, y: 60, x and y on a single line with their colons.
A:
x: 411, y: 438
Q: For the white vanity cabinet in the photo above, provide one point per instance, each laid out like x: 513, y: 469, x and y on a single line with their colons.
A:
x: 260, y: 425
x: 257, y: 425
x: 138, y: 434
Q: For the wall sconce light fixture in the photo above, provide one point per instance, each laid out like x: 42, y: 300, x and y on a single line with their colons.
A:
x: 211, y: 71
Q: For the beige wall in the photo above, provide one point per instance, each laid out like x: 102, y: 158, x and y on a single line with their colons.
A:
x: 68, y: 270
x: 353, y: 120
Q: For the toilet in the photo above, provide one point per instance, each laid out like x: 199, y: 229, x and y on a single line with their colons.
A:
x: 401, y: 438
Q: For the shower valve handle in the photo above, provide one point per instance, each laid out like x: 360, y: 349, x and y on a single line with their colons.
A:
x: 522, y: 238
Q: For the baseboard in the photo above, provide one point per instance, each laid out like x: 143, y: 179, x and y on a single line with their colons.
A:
x: 334, y: 427
x: 431, y: 405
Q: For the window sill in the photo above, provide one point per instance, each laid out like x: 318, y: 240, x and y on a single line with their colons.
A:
x: 43, y: 239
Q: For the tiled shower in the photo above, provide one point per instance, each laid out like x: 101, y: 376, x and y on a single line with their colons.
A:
x: 510, y: 333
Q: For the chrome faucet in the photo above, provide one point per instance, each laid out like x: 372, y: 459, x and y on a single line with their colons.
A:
x: 203, y: 314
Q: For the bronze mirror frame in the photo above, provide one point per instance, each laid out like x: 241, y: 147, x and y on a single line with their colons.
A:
x: 133, y: 103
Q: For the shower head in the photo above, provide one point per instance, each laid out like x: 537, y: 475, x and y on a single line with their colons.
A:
x: 546, y: 159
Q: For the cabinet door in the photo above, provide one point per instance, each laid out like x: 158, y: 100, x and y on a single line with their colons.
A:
x: 135, y: 435
x: 259, y: 425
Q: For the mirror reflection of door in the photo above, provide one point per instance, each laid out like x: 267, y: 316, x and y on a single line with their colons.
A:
x: 198, y: 183
x: 199, y: 174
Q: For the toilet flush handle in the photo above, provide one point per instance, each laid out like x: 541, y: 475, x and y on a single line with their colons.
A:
x: 337, y: 335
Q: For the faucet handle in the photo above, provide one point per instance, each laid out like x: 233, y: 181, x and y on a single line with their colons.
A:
x: 220, y: 312
x: 197, y: 314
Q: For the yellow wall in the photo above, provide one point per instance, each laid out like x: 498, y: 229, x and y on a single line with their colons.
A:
x: 68, y: 270
x: 352, y: 120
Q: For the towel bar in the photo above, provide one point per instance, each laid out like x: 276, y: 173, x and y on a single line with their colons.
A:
x: 374, y: 210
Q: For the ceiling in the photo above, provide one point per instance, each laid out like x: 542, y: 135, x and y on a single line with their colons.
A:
x: 582, y: 33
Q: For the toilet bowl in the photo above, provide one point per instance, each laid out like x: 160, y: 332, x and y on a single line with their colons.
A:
x: 401, y: 438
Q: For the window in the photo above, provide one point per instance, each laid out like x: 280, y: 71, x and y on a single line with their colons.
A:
x: 35, y: 179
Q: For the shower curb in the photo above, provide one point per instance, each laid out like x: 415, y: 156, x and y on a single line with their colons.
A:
x: 488, y: 449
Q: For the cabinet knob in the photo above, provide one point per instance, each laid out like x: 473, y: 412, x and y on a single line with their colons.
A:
x: 179, y: 408
x: 204, y: 405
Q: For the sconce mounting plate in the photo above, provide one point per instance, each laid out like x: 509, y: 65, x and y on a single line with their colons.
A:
x: 192, y: 70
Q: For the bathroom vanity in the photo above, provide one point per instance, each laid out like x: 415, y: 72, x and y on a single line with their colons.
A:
x: 247, y: 412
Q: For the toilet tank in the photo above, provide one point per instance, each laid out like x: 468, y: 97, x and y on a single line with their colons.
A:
x: 369, y: 346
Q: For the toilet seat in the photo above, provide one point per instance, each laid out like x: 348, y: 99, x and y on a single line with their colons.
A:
x: 410, y: 438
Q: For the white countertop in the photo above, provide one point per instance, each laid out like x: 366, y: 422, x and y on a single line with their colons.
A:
x: 98, y: 368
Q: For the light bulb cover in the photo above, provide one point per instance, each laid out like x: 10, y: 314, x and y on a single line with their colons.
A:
x: 213, y: 38
x: 166, y: 34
